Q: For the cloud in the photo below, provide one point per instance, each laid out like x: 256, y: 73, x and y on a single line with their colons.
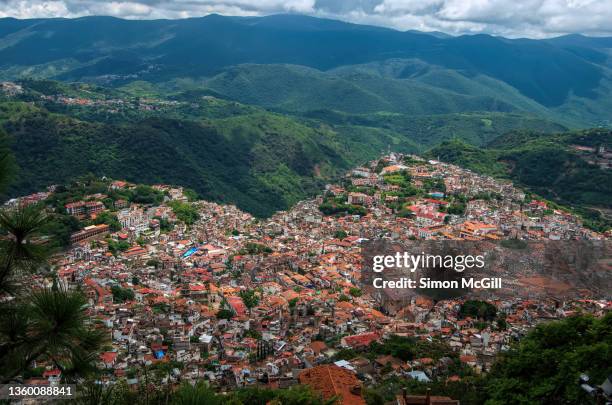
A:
x: 512, y: 18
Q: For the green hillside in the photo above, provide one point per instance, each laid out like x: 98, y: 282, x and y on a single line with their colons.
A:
x: 186, y: 134
x: 111, y: 49
x: 477, y: 128
x: 358, y: 90
x: 262, y: 162
x: 297, y: 63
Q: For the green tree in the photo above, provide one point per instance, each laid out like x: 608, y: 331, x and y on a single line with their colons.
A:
x: 198, y: 394
x: 545, y: 366
x: 7, y: 161
x: 190, y: 194
x: 19, y: 252
x: 122, y: 294
x: 225, y: 314
x: 50, y: 324
x: 250, y: 299
x: 146, y: 195
x: 109, y: 219
x: 478, y: 310
x: 185, y: 212
x: 340, y: 234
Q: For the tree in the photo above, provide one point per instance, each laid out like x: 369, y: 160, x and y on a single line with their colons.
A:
x: 295, y: 395
x: 59, y: 227
x: 109, y: 219
x: 7, y: 161
x: 355, y: 292
x: 456, y: 208
x: 198, y: 394
x: 340, y: 234
x: 478, y: 309
x: 19, y: 253
x: 544, y: 367
x: 185, y: 212
x: 225, y: 314
x: 122, y: 294
x: 50, y: 324
x: 146, y: 195
x: 250, y: 299
x: 190, y: 194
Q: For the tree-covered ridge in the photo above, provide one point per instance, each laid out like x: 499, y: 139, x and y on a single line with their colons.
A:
x: 262, y: 162
x: 111, y: 49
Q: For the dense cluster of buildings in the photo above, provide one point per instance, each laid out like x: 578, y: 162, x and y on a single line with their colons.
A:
x: 193, y: 286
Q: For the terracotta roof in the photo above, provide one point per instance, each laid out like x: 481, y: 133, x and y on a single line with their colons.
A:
x: 425, y: 400
x: 333, y: 381
x: 360, y: 340
x: 317, y: 346
x: 108, y: 357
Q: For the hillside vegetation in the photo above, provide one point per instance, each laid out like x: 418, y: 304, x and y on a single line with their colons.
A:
x: 261, y: 162
x: 228, y: 151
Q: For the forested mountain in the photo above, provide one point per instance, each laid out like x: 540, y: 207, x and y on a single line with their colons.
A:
x: 261, y: 162
x: 470, y: 72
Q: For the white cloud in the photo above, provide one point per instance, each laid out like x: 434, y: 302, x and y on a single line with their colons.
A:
x: 30, y: 9
x: 388, y: 7
x: 532, y: 18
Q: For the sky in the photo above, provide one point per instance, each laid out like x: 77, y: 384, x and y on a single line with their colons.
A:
x: 509, y: 18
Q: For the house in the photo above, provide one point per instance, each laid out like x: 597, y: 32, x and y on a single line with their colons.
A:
x: 405, y: 399
x: 393, y: 169
x: 54, y: 376
x: 83, y: 209
x: 237, y: 305
x: 359, y: 341
x: 358, y: 198
x: 90, y: 232
x: 108, y: 359
x: 333, y: 381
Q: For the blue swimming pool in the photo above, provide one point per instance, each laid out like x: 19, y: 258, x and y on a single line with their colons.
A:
x: 189, y: 252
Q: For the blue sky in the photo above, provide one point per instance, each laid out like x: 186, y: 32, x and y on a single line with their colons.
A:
x: 510, y: 18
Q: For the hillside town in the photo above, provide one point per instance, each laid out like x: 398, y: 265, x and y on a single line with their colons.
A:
x: 94, y: 101
x: 219, y: 295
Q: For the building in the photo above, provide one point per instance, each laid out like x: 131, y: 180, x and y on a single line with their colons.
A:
x: 357, y: 198
x: 82, y: 209
x: 404, y: 399
x: 134, y: 219
x: 89, y: 232
x: 333, y: 381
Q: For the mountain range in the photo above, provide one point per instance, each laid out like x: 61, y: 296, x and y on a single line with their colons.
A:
x: 280, y: 104
x: 566, y: 77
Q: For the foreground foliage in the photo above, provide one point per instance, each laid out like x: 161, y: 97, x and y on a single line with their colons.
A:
x: 48, y: 324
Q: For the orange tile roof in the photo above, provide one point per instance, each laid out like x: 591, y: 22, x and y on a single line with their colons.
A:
x: 333, y: 381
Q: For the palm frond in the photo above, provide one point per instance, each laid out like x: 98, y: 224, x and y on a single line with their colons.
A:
x: 52, y: 324
x: 22, y: 225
